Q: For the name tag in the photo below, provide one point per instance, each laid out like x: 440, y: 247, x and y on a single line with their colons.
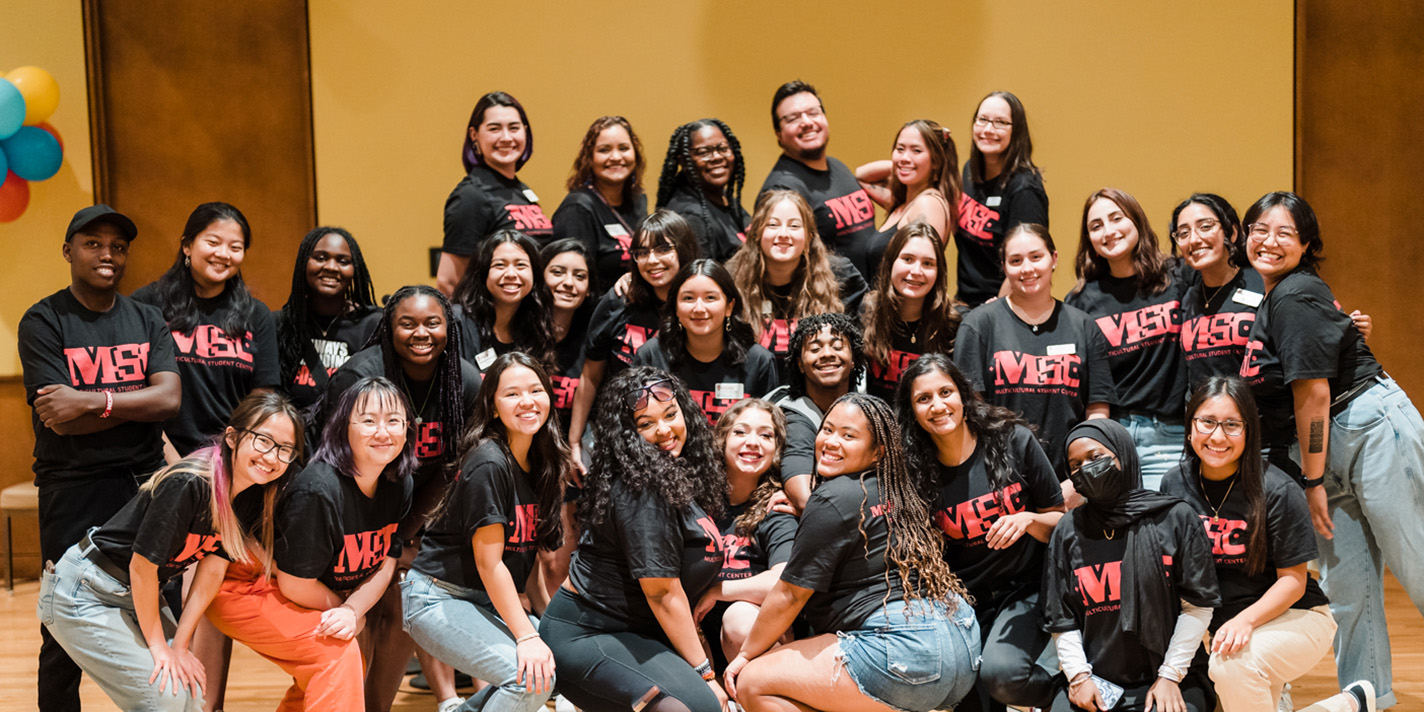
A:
x: 1062, y: 349
x: 994, y: 200
x: 730, y: 391
x: 615, y: 230
x: 531, y: 195
x: 484, y: 358
x: 1247, y: 297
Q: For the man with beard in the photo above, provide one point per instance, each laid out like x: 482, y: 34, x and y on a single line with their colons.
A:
x: 845, y: 215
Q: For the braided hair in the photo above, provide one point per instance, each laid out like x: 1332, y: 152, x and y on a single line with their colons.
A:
x: 447, y: 375
x: 295, y: 329
x: 915, y: 547
x: 679, y: 169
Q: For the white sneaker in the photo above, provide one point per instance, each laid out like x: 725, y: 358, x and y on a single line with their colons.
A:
x: 450, y: 705
x: 1285, y: 704
x: 1363, y: 692
x: 562, y: 704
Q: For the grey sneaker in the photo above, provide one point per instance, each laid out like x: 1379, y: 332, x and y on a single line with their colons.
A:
x: 1285, y: 704
x: 450, y: 705
x: 1364, y: 693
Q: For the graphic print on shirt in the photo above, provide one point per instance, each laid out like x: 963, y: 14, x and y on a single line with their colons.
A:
x: 711, y: 405
x: 1214, y: 335
x: 1250, y: 365
x: 887, y: 375
x: 733, y: 565
x: 1149, y: 326
x: 333, y: 355
x: 564, y: 388
x: 529, y: 218
x: 362, y: 552
x: 776, y: 335
x: 715, y: 551
x: 209, y: 345
x: 1016, y: 372
x: 1228, y: 540
x: 522, y: 530
x: 195, y: 547
x: 974, y: 218
x: 427, y: 440
x: 633, y: 338
x: 1101, y: 585
x: 853, y: 212
x: 970, y: 521
x: 117, y: 368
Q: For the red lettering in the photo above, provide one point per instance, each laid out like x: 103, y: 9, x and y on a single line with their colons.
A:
x: 526, y: 522
x: 711, y: 405
x: 1141, y: 324
x: 209, y: 342
x: 1250, y: 366
x: 972, y: 520
x: 1228, y: 536
x: 851, y: 210
x: 888, y: 374
x: 107, y: 365
x: 733, y: 544
x: 427, y: 441
x: 364, y: 550
x: 564, y: 388
x: 634, y: 337
x: 776, y: 335
x: 625, y: 243
x: 195, y: 547
x: 1216, y: 331
x: 714, y: 535
x: 529, y: 218
x: 1100, y: 583
x: 974, y: 218
x: 1012, y: 368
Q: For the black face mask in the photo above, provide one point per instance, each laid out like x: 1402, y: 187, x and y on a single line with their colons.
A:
x: 1100, y: 481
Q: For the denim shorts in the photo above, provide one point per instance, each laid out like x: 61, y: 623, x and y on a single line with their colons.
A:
x: 913, y: 657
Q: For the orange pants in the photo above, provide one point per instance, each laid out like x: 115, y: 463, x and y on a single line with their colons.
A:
x: 327, y: 673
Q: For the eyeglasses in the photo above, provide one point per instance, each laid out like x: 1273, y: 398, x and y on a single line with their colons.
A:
x: 662, y: 249
x: 1207, y: 426
x: 369, y: 425
x: 1203, y: 227
x: 998, y: 124
x: 660, y: 390
x: 813, y: 113
x: 1258, y: 232
x: 263, y: 444
x: 707, y: 152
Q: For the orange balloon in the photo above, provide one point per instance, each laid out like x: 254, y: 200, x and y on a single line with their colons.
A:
x: 14, y: 197
x: 53, y: 132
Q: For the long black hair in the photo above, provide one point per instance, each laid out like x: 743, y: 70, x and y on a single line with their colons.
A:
x: 296, y: 329
x: 447, y: 375
x: 621, y: 453
x: 738, y: 336
x: 533, y: 323
x: 1307, y: 227
x: 549, y: 458
x: 176, y: 292
x: 1250, y: 472
x: 663, y: 226
x: 1232, y: 236
x: 992, y: 426
x: 680, y: 169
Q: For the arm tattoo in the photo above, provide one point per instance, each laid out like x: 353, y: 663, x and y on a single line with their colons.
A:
x: 1317, y: 435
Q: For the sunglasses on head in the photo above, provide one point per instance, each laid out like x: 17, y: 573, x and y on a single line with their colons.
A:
x: 661, y: 390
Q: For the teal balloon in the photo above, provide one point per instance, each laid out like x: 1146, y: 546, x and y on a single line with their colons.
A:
x: 4, y: 167
x: 33, y: 152
x: 12, y: 110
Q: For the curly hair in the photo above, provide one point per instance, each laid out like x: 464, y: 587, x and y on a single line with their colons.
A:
x: 992, y: 426
x: 175, y: 291
x: 841, y: 325
x: 1233, y: 237
x: 582, y: 174
x: 296, y: 329
x: 532, y: 325
x: 814, y: 287
x: 680, y: 169
x: 1151, y: 268
x: 939, y: 320
x: 549, y: 457
x: 944, y: 166
x: 621, y: 453
x: 770, y: 482
x: 737, y: 333
x: 915, y: 547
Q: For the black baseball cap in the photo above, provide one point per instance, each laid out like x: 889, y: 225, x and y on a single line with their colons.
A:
x: 101, y: 213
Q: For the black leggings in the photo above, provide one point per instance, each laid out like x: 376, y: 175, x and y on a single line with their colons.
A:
x: 605, y: 665
x: 1013, y: 641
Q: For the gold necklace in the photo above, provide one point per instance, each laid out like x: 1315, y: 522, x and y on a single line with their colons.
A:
x: 1109, y: 534
x: 405, y: 386
x: 1215, y: 510
x: 1206, y: 301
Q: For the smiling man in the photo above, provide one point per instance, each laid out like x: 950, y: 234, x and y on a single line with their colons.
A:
x: 845, y: 215
x: 101, y: 377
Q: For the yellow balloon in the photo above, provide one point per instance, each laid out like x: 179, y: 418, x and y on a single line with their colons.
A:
x: 40, y: 90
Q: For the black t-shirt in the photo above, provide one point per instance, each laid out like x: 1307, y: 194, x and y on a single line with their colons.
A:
x: 881, y: 379
x: 966, y: 508
x: 1216, y: 325
x: 846, y: 568
x: 617, y: 330
x: 769, y: 544
x: 1144, y: 345
x: 218, y: 369
x: 429, y: 448
x: 1082, y: 589
x: 606, y: 230
x: 568, y: 361
x: 1290, y: 537
x: 491, y: 490
x: 845, y: 214
x: 987, y: 212
x: 179, y: 533
x: 484, y: 202
x: 1048, y: 375
x: 344, y: 336
x: 62, y: 342
x: 716, y: 385
x: 1301, y: 333
x: 477, y: 350
x: 777, y: 324
x: 803, y: 421
x: 641, y: 537
x: 328, y: 530
x: 720, y: 230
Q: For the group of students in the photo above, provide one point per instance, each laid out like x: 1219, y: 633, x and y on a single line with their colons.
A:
x: 655, y: 461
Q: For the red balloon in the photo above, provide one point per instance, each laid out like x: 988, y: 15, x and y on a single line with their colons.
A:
x: 53, y: 132
x: 14, y: 197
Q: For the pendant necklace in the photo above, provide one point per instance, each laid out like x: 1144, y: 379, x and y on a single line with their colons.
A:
x: 405, y: 386
x: 1109, y: 534
x: 1206, y: 301
x: 1215, y: 509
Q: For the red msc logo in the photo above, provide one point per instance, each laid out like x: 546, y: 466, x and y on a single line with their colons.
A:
x: 427, y: 440
x: 714, y: 537
x: 526, y: 522
x: 776, y: 335
x: 733, y: 545
x: 972, y: 520
x: 974, y: 218
x: 364, y: 550
x: 1228, y: 537
x: 634, y: 337
x: 1012, y: 368
x: 1140, y: 325
x: 888, y: 374
x: 529, y: 218
x: 1102, y: 583
x: 196, y: 547
x: 711, y: 405
x: 564, y: 388
x: 107, y: 365
x: 851, y: 211
x: 1217, y: 331
x: 211, y: 343
x: 1250, y: 366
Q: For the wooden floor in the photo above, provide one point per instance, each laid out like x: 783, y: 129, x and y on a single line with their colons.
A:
x: 257, y: 684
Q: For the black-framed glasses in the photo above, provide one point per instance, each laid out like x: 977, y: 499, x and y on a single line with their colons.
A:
x: 998, y: 124
x: 1203, y: 227
x: 812, y: 113
x: 662, y: 249
x: 705, y: 152
x: 264, y: 444
x: 659, y: 390
x: 1207, y: 426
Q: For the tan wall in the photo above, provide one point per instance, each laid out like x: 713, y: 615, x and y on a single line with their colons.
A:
x: 1157, y: 99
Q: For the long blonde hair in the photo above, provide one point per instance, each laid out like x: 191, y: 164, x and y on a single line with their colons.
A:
x: 814, y: 287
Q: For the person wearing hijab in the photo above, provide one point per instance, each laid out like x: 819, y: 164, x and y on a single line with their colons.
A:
x: 1130, y: 586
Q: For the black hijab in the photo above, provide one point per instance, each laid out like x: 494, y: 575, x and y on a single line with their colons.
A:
x: 1148, y: 592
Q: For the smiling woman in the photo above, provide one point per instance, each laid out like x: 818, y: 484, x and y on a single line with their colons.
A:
x: 605, y: 203
x: 702, y: 181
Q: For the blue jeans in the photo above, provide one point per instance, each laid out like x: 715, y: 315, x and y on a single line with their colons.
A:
x: 91, y: 614
x: 459, y: 626
x: 1374, y: 476
x: 1159, y: 446
x: 913, y: 657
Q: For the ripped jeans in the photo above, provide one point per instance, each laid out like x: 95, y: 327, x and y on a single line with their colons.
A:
x: 913, y: 657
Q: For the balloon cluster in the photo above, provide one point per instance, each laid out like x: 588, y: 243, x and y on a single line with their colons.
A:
x: 30, y: 149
